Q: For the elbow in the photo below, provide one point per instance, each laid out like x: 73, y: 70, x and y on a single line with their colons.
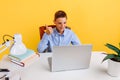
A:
x: 39, y: 50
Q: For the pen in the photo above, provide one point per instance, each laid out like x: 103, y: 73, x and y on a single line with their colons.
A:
x: 4, y: 70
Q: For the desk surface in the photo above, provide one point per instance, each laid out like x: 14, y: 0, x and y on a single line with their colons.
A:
x: 40, y: 70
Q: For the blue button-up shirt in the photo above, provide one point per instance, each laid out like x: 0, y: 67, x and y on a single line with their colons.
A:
x: 57, y: 39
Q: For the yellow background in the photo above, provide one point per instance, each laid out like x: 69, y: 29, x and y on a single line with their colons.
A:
x: 94, y: 21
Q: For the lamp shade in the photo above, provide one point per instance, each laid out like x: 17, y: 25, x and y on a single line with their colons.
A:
x: 18, y: 47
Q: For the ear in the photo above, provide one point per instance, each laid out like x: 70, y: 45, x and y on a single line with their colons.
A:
x: 54, y: 22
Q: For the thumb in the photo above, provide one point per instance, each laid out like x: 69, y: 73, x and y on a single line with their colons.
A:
x: 46, y: 26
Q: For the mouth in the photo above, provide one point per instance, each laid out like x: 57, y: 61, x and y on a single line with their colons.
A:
x: 62, y: 28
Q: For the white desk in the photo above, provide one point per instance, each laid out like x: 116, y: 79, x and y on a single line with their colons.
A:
x: 39, y: 70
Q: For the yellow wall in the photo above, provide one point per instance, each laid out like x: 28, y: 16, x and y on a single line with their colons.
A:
x: 94, y: 21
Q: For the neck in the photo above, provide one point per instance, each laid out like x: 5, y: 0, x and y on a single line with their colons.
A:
x: 61, y: 32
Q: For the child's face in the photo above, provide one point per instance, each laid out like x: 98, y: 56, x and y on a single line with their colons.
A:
x: 60, y: 24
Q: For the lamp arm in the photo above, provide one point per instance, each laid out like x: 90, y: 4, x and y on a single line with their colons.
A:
x: 3, y: 50
x: 6, y: 45
x: 1, y: 45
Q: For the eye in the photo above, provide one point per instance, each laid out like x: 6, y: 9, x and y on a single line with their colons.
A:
x: 59, y: 23
x: 64, y: 22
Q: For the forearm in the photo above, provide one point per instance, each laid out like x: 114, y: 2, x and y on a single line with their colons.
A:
x: 43, y: 45
x: 75, y: 40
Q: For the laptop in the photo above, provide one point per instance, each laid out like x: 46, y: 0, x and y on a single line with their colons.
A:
x: 70, y: 57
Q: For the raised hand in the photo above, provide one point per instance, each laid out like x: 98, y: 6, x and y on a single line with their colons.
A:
x: 49, y: 30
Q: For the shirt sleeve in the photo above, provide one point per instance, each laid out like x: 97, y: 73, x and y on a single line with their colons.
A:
x: 75, y: 40
x: 43, y: 44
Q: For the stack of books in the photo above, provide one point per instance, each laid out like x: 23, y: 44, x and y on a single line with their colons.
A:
x: 25, y: 59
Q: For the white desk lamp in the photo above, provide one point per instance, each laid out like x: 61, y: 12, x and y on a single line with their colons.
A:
x: 17, y: 46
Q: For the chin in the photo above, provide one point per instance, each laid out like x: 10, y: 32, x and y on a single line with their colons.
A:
x: 61, y: 30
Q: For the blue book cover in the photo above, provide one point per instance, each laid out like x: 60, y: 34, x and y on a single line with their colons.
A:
x: 23, y: 56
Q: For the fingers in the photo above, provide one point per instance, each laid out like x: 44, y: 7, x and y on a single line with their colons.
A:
x: 49, y: 30
x: 46, y: 26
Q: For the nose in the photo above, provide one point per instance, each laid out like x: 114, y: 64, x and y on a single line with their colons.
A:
x: 63, y: 25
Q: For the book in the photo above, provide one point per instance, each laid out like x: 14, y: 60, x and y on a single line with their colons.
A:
x: 23, y: 56
x: 18, y: 63
x: 27, y: 61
